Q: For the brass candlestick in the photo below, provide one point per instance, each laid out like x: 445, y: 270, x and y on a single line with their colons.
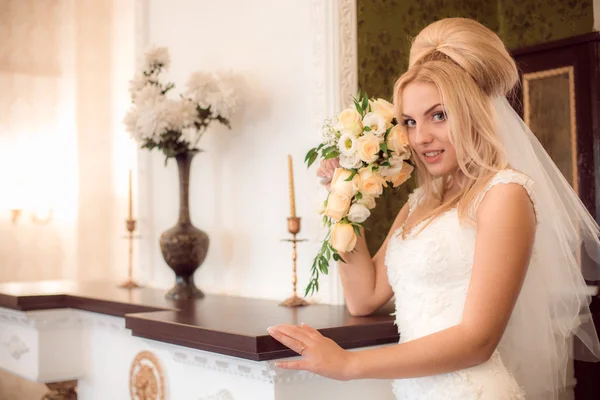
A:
x: 294, y: 228
x: 130, y: 283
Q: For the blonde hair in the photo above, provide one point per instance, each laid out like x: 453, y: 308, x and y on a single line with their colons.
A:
x: 470, y: 66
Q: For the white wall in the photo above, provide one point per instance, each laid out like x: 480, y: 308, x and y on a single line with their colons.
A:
x: 239, y: 186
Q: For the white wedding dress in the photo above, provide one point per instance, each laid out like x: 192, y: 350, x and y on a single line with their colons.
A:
x: 430, y: 273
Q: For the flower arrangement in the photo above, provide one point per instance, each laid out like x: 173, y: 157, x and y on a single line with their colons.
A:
x: 175, y: 126
x: 374, y: 154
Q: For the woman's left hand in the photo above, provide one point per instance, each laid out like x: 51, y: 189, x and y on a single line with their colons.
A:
x: 320, y: 355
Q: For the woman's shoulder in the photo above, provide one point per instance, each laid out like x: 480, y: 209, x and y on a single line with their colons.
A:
x: 505, y: 177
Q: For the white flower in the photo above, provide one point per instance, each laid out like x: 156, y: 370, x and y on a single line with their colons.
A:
x: 358, y: 213
x: 148, y: 96
x: 396, y: 162
x: 182, y: 114
x: 329, y: 137
x: 351, y: 162
x: 367, y: 201
x: 214, y: 90
x: 346, y: 144
x: 376, y: 122
x: 130, y: 121
x: 153, y: 121
x: 157, y: 58
x: 137, y: 84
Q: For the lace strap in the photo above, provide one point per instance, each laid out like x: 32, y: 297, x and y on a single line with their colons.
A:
x: 506, y: 176
x: 414, y: 199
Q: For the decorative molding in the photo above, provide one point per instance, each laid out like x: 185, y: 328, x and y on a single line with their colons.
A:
x: 264, y: 371
x: 222, y: 394
x: 348, y: 64
x: 335, y: 74
x: 65, y: 318
x: 16, y: 347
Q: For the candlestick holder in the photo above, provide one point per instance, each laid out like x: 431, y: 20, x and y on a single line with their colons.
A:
x: 294, y: 228
x: 130, y: 283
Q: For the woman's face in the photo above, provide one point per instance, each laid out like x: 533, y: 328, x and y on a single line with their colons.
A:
x: 428, y: 131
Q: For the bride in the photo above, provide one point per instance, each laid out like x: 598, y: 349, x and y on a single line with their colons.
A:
x: 484, y: 259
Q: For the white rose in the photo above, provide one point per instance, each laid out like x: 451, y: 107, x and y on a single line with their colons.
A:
x: 367, y: 201
x: 351, y: 162
x: 358, y: 213
x: 383, y: 108
x: 347, y: 144
x: 377, y: 124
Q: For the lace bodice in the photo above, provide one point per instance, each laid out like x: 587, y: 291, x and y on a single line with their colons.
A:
x: 430, y: 270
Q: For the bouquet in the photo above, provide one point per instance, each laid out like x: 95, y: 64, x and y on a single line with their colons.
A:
x: 374, y: 154
x: 175, y: 126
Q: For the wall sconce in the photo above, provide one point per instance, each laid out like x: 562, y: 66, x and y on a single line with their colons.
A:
x: 39, y: 217
x: 42, y: 217
x: 15, y: 214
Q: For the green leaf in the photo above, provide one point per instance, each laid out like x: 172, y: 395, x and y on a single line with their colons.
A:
x: 385, y: 164
x: 352, y: 175
x: 384, y: 147
x: 358, y: 196
x: 332, y: 154
x: 367, y: 129
x: 309, y: 154
x: 312, y: 159
x: 358, y: 108
x: 356, y: 230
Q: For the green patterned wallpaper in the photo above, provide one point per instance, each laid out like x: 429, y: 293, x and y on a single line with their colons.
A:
x: 385, y: 28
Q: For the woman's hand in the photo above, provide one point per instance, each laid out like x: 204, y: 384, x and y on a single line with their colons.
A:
x: 320, y: 355
x: 326, y: 170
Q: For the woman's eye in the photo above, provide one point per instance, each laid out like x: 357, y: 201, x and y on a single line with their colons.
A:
x: 439, y: 116
x: 410, y: 123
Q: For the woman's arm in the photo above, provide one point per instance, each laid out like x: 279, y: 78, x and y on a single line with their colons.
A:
x: 505, y: 235
x: 364, y: 279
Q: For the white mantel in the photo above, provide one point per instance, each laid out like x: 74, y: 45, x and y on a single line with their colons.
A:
x: 98, y: 351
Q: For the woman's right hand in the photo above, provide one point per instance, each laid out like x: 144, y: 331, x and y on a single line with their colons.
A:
x: 326, y: 170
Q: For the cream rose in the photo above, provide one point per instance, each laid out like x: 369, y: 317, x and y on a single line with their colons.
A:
x: 358, y: 213
x: 340, y: 185
x: 368, y: 147
x: 397, y: 141
x: 383, y: 108
x: 343, y: 238
x: 396, y: 165
x: 372, y: 185
x: 349, y: 121
x: 337, y: 206
x: 402, y: 176
x: 367, y: 201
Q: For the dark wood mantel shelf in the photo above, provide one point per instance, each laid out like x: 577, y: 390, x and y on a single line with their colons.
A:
x: 234, y: 326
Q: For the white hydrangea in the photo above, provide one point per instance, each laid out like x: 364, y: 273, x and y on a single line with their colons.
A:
x: 156, y: 58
